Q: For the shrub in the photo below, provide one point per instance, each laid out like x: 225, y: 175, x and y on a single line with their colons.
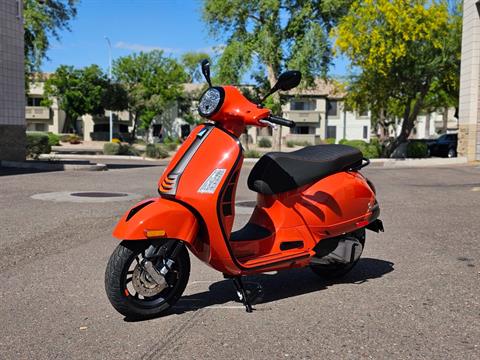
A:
x: 417, y: 149
x: 71, y: 138
x: 171, y: 140
x: 252, y: 154
x: 171, y: 146
x: 127, y: 149
x: 292, y: 143
x: 156, y: 151
x: 53, y: 139
x: 37, y: 143
x: 370, y: 151
x: 114, y: 148
x: 75, y: 139
x: 111, y: 148
x: 65, y: 138
x: 330, y: 141
x: 264, y: 143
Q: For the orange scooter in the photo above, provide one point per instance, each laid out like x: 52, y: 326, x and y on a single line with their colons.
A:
x: 313, y: 207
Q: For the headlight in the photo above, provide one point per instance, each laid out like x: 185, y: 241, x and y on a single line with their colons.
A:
x: 211, y: 101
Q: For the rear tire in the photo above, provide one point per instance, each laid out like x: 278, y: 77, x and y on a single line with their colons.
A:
x: 452, y: 153
x: 121, y: 292
x: 338, y: 270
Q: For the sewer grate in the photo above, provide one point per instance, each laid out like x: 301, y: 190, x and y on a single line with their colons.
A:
x: 86, y: 196
x: 93, y: 194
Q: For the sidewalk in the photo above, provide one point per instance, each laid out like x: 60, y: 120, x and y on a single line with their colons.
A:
x: 406, y: 163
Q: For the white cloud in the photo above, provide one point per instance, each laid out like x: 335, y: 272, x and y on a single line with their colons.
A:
x: 142, y: 47
x: 215, y: 49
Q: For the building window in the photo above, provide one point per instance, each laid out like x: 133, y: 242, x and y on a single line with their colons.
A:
x: 303, y: 105
x: 38, y: 127
x: 303, y: 130
x: 331, y: 132
x: 365, y: 132
x: 34, y: 101
x: 332, y: 108
x: 363, y: 113
x: 157, y: 130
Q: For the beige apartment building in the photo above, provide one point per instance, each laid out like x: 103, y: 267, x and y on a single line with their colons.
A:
x: 469, y: 118
x: 12, y: 81
x: 52, y: 119
x: 319, y: 113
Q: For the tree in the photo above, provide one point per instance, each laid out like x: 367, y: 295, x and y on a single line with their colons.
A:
x: 44, y: 20
x: 273, y: 35
x: 153, y: 83
x: 408, y: 56
x: 82, y: 91
x: 191, y: 63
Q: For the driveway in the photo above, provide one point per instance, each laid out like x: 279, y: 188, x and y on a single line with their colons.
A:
x: 414, y: 294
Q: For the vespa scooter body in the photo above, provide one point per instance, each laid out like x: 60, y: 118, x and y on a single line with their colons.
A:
x: 197, y: 206
x: 312, y: 209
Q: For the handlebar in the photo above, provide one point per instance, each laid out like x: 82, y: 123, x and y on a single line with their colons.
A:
x: 281, y: 121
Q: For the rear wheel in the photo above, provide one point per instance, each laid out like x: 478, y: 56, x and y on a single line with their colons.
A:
x: 452, y: 153
x: 334, y: 269
x: 131, y: 289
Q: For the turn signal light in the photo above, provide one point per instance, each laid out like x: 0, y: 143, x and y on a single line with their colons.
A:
x: 155, y: 233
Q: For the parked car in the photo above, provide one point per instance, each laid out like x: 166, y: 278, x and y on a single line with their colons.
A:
x: 445, y: 146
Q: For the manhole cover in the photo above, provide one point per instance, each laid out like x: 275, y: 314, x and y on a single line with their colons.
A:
x: 91, y: 194
x: 86, y: 196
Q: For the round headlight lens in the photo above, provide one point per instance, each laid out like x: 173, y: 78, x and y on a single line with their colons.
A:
x: 211, y: 101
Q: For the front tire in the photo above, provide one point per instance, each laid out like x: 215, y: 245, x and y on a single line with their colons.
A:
x: 129, y: 288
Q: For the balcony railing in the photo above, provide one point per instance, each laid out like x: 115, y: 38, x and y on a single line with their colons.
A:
x: 303, y: 116
x: 37, y: 113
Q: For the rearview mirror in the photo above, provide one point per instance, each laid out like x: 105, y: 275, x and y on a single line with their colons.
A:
x: 288, y: 80
x: 206, y: 71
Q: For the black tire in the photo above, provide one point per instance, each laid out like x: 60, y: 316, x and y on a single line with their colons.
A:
x: 451, y: 153
x: 338, y: 270
x: 131, y: 305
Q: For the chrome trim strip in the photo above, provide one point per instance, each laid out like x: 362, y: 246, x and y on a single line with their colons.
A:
x: 177, y: 171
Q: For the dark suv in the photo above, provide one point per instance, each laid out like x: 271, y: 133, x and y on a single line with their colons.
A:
x: 445, y: 145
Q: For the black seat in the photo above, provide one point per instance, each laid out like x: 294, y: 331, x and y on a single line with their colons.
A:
x: 277, y: 172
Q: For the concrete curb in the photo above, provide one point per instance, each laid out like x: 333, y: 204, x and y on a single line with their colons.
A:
x: 55, y: 157
x: 405, y: 163
x: 52, y: 166
x: 413, y: 163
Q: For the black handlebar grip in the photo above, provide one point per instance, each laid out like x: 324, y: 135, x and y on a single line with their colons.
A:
x: 281, y: 121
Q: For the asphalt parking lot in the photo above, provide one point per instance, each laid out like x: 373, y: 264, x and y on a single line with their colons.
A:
x: 414, y: 294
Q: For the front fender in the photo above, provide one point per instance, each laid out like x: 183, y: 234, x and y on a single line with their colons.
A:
x: 171, y: 219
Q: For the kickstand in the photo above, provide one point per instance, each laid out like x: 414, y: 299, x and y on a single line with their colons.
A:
x: 242, y: 293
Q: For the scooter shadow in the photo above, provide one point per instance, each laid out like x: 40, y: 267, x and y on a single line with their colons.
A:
x: 281, y: 285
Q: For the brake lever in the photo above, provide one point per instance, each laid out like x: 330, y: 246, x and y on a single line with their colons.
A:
x: 268, y: 123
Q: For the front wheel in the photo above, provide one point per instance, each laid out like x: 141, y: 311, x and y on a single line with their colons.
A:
x: 451, y: 153
x: 131, y: 289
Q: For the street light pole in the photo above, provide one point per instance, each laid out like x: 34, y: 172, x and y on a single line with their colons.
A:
x: 110, y: 78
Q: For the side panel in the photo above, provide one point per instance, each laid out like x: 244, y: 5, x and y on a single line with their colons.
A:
x: 337, y: 204
x: 330, y: 207
x: 158, y: 214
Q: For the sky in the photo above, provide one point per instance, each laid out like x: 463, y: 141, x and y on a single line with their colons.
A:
x: 174, y: 26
